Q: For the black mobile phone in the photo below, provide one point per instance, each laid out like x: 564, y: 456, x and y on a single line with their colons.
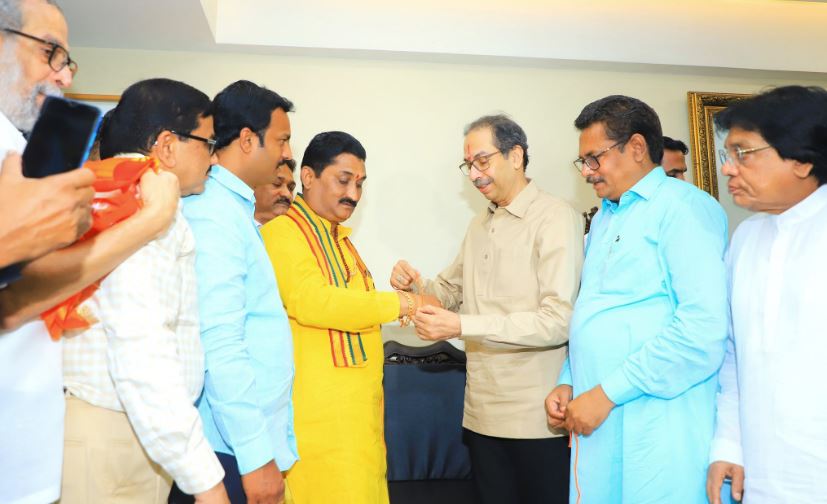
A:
x: 61, y: 138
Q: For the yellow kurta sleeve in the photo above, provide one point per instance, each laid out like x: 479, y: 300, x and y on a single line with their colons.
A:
x: 305, y: 289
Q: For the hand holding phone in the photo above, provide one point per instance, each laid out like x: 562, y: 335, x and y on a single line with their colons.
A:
x: 41, y: 215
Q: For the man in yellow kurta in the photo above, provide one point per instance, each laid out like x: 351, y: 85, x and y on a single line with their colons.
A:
x: 334, y: 312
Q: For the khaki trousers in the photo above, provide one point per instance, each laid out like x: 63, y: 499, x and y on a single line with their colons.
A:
x: 103, y: 461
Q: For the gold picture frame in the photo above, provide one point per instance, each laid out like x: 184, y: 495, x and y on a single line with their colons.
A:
x: 102, y: 101
x: 702, y: 136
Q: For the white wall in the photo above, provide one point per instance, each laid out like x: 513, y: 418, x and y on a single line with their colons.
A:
x: 753, y: 34
x: 410, y: 113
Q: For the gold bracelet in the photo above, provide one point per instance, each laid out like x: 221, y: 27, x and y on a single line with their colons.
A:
x: 405, y: 320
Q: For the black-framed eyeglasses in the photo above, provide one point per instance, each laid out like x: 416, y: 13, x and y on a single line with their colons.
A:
x: 735, y: 155
x: 58, y: 55
x: 211, y: 143
x: 481, y: 163
x: 592, y: 161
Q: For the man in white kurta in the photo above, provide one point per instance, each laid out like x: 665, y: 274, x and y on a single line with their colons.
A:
x: 771, y: 433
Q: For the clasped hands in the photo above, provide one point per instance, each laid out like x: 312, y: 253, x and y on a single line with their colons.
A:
x: 581, y: 415
x: 431, y: 321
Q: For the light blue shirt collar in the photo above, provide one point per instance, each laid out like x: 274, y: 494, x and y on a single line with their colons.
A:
x: 231, y: 181
x: 645, y: 188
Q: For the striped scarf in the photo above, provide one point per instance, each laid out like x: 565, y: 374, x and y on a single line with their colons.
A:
x: 116, y: 198
x: 345, y: 347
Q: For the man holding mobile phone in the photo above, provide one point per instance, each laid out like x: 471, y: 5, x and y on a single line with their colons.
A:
x: 41, y: 215
x: 35, y: 63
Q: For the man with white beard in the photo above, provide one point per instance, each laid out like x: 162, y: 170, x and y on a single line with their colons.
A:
x: 38, y: 215
x: 35, y: 63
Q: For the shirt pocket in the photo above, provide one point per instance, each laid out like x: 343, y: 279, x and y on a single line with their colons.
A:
x: 631, y: 266
x: 514, y: 272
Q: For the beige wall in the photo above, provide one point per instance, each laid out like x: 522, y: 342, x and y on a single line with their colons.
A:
x: 409, y: 114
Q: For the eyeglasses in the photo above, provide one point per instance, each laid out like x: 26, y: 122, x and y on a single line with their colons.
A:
x: 481, y: 163
x: 592, y: 161
x: 58, y: 55
x: 211, y: 143
x: 735, y: 155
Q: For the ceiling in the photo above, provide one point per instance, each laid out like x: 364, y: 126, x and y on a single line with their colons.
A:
x: 785, y: 35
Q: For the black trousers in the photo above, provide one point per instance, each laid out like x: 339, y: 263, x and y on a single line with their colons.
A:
x: 519, y: 471
x: 232, y: 482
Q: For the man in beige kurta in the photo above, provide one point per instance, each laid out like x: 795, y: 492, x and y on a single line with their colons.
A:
x: 508, y: 295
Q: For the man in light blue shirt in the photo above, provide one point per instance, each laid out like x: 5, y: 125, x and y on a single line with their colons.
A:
x: 246, y: 406
x: 649, y: 327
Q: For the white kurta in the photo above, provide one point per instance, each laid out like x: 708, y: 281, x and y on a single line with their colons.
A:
x: 772, y: 409
x: 31, y: 398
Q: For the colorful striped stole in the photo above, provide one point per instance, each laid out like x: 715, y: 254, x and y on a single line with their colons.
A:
x: 345, y: 347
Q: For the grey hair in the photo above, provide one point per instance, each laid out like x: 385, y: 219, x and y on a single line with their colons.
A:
x: 507, y: 133
x: 12, y: 17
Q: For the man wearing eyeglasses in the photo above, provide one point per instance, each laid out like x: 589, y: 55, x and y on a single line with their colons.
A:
x: 31, y: 391
x: 133, y: 377
x: 770, y: 435
x: 647, y: 336
x: 54, y: 211
x: 509, y: 295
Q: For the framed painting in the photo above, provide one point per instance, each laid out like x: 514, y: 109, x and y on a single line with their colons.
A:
x: 707, y: 141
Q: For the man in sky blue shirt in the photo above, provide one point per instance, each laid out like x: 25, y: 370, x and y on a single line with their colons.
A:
x: 246, y: 406
x: 649, y: 327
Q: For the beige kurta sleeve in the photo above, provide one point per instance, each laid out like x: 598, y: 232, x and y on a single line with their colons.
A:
x: 447, y: 286
x: 558, y: 245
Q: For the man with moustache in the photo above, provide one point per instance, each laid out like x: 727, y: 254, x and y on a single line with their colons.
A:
x: 335, y: 312
x: 246, y: 406
x: 274, y: 199
x: 509, y: 295
x: 133, y: 376
x: 39, y: 215
x: 770, y: 435
x: 34, y: 63
x: 647, y: 335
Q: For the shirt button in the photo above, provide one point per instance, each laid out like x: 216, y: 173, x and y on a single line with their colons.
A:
x: 492, y: 230
x: 485, y: 256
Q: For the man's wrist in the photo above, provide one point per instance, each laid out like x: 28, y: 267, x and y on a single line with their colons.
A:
x: 18, y: 245
x: 603, y: 397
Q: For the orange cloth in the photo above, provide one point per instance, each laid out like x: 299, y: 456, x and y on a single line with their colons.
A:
x: 116, y: 198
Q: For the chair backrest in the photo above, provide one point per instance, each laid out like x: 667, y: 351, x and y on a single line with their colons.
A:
x: 424, y: 396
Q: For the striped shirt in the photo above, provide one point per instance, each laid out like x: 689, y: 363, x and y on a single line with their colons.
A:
x: 143, y: 356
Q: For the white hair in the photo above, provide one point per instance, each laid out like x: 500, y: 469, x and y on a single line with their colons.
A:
x: 18, y: 102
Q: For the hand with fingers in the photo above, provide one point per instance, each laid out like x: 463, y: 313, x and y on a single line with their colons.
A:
x: 41, y: 215
x: 160, y: 195
x: 264, y: 485
x: 434, y: 323
x: 405, y: 277
x: 556, y: 404
x: 588, y: 411
x: 715, y: 476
